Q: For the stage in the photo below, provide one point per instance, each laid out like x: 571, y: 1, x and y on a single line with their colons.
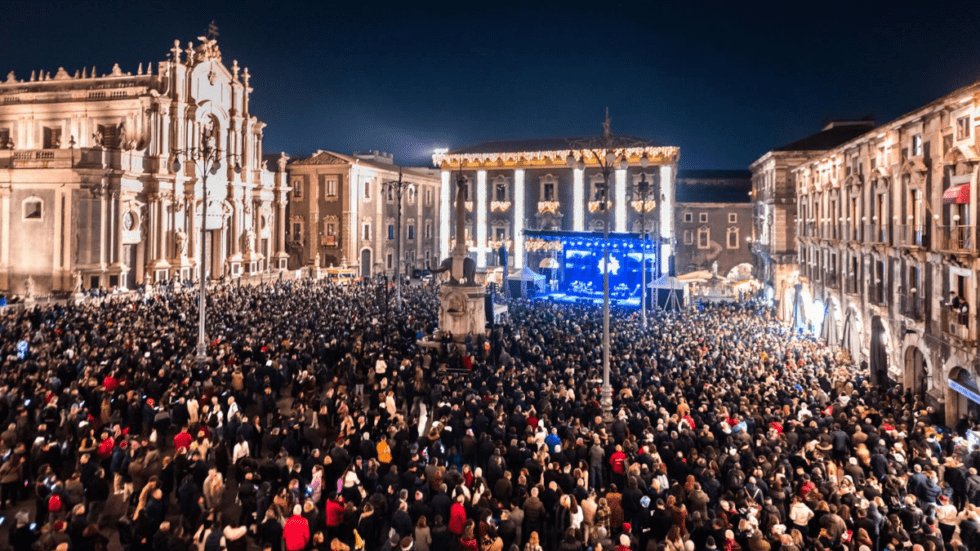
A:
x: 574, y: 265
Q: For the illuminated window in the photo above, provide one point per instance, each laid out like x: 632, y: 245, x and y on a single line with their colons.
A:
x: 331, y: 229
x: 331, y: 188
x: 297, y: 189
x: 917, y: 145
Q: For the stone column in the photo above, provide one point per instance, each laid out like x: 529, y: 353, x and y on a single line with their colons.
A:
x: 445, y: 214
x: 518, y: 260
x: 5, y: 238
x: 283, y: 226
x: 117, y: 226
x: 578, y: 199
x: 481, y: 219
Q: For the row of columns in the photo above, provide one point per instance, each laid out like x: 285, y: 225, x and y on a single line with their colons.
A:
x: 578, y: 211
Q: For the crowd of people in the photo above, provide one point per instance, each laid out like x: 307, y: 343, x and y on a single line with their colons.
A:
x: 317, y: 422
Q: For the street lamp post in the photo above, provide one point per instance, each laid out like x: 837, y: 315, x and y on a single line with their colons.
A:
x: 207, y: 160
x: 398, y: 187
x: 607, y: 151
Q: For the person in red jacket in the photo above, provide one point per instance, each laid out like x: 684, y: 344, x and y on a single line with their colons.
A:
x: 457, y: 516
x: 334, y: 512
x: 183, y: 439
x: 296, y: 533
x: 618, y: 464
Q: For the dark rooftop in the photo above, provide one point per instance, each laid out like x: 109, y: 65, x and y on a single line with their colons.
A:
x: 550, y: 144
x: 832, y: 135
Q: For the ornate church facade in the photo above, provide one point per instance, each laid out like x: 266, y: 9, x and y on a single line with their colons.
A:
x: 91, y: 195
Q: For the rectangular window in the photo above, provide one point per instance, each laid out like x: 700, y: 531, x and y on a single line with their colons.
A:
x: 549, y: 192
x: 297, y: 231
x: 331, y: 229
x: 4, y: 137
x: 428, y: 230
x: 331, y: 190
x: 428, y: 196
x: 500, y: 192
x: 367, y: 189
x: 963, y: 127
x: 33, y: 209
x: 297, y: 189
x: 391, y: 193
x: 733, y: 240
x: 688, y: 237
x: 391, y: 232
x: 52, y: 138
x: 388, y: 259
x: 366, y: 232
x: 411, y: 232
x: 917, y: 145
x: 703, y: 217
x: 689, y: 217
x: 732, y: 218
x: 704, y: 238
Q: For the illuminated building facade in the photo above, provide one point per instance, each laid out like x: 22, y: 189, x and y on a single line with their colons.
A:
x: 774, y: 196
x: 342, y: 214
x: 887, y: 231
x: 512, y: 186
x: 88, y: 188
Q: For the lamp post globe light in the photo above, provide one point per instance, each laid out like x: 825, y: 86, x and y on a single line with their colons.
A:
x: 608, y: 152
x: 207, y: 160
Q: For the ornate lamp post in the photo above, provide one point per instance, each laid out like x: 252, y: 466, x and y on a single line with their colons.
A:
x: 398, y: 187
x: 207, y: 159
x: 644, y: 205
x: 608, y: 152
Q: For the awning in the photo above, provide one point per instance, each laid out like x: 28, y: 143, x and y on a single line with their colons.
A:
x: 959, y: 195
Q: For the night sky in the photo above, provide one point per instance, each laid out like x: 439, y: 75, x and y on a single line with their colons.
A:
x: 725, y: 81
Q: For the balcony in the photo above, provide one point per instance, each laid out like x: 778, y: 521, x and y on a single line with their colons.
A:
x: 910, y: 235
x: 548, y: 207
x: 832, y: 279
x: 851, y: 285
x: 957, y: 238
x: 956, y: 323
x: 876, y: 293
x: 913, y: 307
x: 874, y: 233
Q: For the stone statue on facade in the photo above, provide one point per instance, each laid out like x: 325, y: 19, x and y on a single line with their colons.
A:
x: 76, y: 286
x: 714, y: 269
x: 249, y: 241
x: 181, y: 237
x: 97, y: 139
x: 29, y: 288
x: 282, y: 161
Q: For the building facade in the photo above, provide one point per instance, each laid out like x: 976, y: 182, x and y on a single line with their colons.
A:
x: 512, y: 186
x: 887, y: 231
x: 713, y: 217
x: 89, y: 188
x: 342, y: 212
x: 774, y: 194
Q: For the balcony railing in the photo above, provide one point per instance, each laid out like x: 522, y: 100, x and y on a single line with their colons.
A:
x: 851, y: 285
x: 911, y: 235
x: 873, y: 233
x: 913, y: 307
x: 957, y: 238
x: 956, y: 323
x: 876, y: 293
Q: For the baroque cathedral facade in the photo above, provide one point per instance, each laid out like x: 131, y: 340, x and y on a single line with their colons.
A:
x: 91, y: 195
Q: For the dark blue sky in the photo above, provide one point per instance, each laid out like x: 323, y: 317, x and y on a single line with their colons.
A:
x: 725, y: 81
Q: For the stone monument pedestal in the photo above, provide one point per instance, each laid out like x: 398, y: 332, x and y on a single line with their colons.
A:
x: 461, y: 311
